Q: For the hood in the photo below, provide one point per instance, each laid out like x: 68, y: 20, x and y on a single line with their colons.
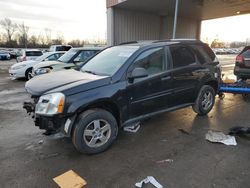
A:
x: 46, y: 64
x: 68, y: 81
x: 30, y: 62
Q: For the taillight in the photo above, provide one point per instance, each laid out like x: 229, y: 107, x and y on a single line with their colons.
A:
x: 240, y: 59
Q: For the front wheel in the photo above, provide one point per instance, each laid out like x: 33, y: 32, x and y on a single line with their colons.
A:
x: 205, y: 100
x: 28, y: 74
x: 95, y: 131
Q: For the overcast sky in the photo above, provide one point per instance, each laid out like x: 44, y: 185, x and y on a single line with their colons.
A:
x: 83, y: 19
x: 86, y: 19
x: 228, y: 29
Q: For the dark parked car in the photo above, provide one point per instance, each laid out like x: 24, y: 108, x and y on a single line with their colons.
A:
x: 242, y: 64
x: 122, y: 85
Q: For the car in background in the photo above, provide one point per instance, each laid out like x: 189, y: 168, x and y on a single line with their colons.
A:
x: 123, y: 85
x: 29, y: 54
x: 242, y: 64
x: 71, y: 59
x: 24, y: 69
x: 4, y: 55
x: 55, y: 48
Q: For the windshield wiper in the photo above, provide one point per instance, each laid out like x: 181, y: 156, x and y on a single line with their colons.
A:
x: 90, y: 72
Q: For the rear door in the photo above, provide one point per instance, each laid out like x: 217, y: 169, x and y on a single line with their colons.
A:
x: 186, y: 72
x: 153, y: 93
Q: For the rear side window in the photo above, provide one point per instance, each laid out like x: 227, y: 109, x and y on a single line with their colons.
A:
x: 63, y: 48
x: 182, y: 56
x: 34, y: 53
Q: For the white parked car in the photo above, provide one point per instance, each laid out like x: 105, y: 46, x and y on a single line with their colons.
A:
x: 55, y: 48
x: 4, y: 55
x: 29, y: 54
x: 24, y: 69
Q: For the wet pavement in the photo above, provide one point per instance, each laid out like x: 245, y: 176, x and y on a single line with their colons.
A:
x: 29, y: 159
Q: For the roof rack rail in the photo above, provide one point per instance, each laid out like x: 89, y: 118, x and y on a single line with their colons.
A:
x: 176, y: 40
x: 131, y: 42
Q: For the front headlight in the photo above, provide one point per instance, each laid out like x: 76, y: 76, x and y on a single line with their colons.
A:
x: 18, y: 67
x: 50, y: 104
x: 42, y: 71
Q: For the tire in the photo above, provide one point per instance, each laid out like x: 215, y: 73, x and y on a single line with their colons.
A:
x: 205, y: 100
x: 89, y: 136
x: 28, y: 73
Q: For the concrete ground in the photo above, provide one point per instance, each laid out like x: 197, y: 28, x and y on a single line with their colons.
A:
x: 29, y: 159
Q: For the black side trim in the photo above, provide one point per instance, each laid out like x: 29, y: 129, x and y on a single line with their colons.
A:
x: 155, y: 113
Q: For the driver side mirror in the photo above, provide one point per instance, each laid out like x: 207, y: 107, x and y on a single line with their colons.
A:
x: 138, y: 72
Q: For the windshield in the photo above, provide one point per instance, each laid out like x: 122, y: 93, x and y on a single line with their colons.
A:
x: 42, y: 57
x: 109, y: 61
x: 68, y: 56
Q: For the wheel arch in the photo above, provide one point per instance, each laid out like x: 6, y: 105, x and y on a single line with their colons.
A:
x: 214, y: 84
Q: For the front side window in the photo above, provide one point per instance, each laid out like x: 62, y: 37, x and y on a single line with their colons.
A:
x: 109, y: 61
x: 152, y: 60
x: 68, y: 56
x: 182, y: 56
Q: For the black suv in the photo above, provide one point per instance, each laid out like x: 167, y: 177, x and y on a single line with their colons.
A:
x: 242, y: 64
x: 122, y: 85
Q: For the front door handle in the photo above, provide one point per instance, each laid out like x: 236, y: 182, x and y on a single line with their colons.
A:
x: 166, y: 78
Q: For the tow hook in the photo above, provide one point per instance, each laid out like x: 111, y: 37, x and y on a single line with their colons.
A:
x: 29, y: 107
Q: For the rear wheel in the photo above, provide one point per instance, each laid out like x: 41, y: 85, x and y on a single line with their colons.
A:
x: 95, y: 131
x: 205, y: 100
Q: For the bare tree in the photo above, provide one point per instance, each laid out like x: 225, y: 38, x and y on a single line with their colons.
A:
x: 9, y: 27
x: 33, y: 41
x: 23, y: 31
x: 41, y: 40
x: 48, y: 36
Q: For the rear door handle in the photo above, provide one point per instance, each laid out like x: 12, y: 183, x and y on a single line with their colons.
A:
x: 166, y: 78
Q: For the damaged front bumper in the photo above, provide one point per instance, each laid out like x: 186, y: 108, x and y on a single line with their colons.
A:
x: 52, y: 124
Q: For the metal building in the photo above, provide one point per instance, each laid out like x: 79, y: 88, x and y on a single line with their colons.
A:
x: 130, y: 20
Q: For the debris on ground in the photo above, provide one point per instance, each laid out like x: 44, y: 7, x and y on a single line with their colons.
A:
x: 132, y: 128
x: 165, y: 161
x: 220, y: 137
x: 56, y: 136
x: 70, y: 179
x: 239, y: 130
x: 40, y: 142
x: 184, y: 131
x: 149, y: 179
x: 229, y: 79
x: 47, y: 156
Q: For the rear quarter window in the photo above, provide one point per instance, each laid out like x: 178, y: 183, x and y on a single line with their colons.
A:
x: 34, y: 53
x: 246, y: 54
x: 204, y: 54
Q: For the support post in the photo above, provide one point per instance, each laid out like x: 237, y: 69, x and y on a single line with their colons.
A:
x: 175, y: 18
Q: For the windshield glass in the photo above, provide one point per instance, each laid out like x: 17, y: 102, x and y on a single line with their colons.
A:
x: 109, y: 61
x: 42, y: 57
x: 67, y: 56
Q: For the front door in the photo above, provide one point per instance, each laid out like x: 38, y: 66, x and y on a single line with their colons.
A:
x: 153, y: 93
